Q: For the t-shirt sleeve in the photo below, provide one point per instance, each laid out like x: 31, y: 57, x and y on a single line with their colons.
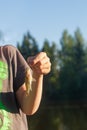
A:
x: 19, y: 68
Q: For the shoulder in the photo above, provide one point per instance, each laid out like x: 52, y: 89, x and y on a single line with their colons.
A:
x: 9, y: 48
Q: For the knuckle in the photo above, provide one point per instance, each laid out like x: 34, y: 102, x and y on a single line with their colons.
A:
x: 48, y: 59
x: 40, y: 68
x: 44, y: 53
x: 50, y: 64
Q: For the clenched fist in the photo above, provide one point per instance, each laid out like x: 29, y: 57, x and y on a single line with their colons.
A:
x: 40, y: 63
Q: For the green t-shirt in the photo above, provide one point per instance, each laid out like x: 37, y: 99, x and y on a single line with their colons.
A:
x: 12, y: 76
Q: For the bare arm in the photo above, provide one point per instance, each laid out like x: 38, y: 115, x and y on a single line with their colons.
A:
x: 30, y: 102
x: 40, y: 65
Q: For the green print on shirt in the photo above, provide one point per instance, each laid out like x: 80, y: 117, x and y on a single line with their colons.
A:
x: 4, y: 118
x: 3, y: 72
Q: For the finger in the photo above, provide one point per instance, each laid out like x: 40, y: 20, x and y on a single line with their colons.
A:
x: 43, y: 61
x: 46, y: 71
x: 42, y: 69
x: 39, y: 57
x: 30, y: 60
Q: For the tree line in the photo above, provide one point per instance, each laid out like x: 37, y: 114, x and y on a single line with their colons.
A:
x: 67, y: 81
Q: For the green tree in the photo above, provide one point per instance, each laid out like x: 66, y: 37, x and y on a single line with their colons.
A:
x: 29, y: 46
x: 72, y: 59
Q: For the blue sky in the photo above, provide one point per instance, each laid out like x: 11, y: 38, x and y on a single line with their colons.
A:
x: 44, y: 19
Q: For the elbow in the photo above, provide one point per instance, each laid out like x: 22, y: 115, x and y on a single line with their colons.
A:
x: 30, y: 111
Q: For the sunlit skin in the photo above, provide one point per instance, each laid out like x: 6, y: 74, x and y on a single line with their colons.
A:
x: 40, y: 65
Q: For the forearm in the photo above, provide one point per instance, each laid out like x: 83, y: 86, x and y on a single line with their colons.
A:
x: 40, y: 65
x: 31, y: 101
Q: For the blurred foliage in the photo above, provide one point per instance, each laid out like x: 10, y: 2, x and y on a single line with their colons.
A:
x: 73, y: 68
x: 29, y: 46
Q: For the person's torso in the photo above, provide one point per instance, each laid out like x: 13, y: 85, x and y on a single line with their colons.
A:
x: 11, y: 116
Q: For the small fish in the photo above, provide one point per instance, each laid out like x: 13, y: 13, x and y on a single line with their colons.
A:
x: 28, y: 80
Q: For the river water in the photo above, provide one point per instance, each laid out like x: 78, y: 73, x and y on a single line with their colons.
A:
x: 59, y: 118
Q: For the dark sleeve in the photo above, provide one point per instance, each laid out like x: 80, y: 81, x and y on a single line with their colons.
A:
x: 19, y: 67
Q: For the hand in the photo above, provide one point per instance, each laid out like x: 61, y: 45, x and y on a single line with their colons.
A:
x: 40, y: 63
